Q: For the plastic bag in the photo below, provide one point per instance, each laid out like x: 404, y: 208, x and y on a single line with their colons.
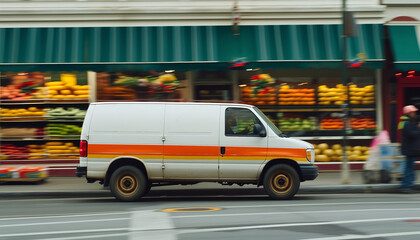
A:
x: 373, y: 162
x: 382, y: 138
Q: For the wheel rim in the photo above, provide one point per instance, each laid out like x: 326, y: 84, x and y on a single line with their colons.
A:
x: 281, y: 182
x: 127, y: 184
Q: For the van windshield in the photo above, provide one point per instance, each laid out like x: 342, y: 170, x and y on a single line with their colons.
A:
x: 269, y: 123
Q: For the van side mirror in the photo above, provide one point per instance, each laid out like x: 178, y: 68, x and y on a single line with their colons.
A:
x: 259, y: 130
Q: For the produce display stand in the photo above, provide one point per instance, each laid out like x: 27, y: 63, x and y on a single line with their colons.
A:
x: 313, y: 112
x: 23, y: 174
x: 49, y: 126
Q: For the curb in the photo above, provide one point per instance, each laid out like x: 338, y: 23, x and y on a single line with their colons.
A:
x: 375, y: 188
x: 55, y: 194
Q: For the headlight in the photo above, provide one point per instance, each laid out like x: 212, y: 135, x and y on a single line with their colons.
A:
x: 310, y: 155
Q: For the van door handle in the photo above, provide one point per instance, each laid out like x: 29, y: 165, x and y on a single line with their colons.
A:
x: 222, y: 150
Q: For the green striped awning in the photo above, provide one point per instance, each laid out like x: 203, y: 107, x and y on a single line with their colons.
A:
x: 183, y: 47
x: 405, y: 41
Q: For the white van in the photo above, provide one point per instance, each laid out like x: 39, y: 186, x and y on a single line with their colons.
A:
x: 132, y: 146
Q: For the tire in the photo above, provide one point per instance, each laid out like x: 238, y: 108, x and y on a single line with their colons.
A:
x: 281, y: 181
x: 128, y: 184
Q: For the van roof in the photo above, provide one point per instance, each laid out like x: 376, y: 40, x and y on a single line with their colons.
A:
x: 176, y: 103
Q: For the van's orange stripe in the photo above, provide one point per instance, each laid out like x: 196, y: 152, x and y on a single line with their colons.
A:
x: 122, y: 149
x: 176, y: 150
x: 287, y: 152
x: 246, y: 151
x: 153, y: 150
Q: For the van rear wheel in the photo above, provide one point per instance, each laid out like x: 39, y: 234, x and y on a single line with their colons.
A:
x: 128, y: 184
x: 281, y: 182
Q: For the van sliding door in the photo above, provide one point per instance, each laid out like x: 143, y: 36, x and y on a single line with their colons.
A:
x: 191, y: 142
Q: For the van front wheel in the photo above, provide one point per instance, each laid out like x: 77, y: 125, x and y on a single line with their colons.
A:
x: 128, y: 184
x: 281, y: 181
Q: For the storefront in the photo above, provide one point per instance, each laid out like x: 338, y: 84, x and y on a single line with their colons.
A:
x: 193, y: 63
x: 405, y: 49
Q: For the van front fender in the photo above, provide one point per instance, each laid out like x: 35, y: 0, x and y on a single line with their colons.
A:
x: 268, y: 163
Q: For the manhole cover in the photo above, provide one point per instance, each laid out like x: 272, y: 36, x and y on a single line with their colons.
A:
x: 192, y: 209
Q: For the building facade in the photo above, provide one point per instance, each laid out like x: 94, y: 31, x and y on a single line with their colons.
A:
x: 217, y: 51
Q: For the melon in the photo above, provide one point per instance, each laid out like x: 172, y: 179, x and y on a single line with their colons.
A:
x: 323, y: 146
x: 321, y: 158
x: 336, y: 146
x: 339, y: 152
x: 357, y: 152
x: 358, y: 148
x: 329, y: 152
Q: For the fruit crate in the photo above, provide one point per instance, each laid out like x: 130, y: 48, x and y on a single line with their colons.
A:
x: 24, y: 174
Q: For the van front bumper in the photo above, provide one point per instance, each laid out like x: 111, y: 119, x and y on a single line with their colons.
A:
x: 309, y: 172
x: 81, y: 171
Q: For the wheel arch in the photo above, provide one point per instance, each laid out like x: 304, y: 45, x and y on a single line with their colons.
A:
x: 124, y: 161
x: 273, y: 162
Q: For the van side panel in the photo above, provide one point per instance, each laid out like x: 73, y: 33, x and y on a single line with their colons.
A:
x: 132, y: 130
x: 191, y: 147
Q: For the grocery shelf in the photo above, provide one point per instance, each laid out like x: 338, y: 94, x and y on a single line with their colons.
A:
x: 335, y: 131
x: 331, y: 134
x: 41, y: 101
x: 44, y: 121
x: 336, y: 166
x: 37, y: 161
x: 24, y: 118
x: 22, y: 121
x: 41, y: 138
x: 58, y: 137
x: 312, y: 109
x: 68, y: 121
x: 43, y: 154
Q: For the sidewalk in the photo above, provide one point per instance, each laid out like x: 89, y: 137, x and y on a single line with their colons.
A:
x: 327, y: 182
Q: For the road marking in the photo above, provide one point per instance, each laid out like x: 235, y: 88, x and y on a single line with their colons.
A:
x: 66, y: 222
x: 378, y: 235
x: 41, y: 216
x: 150, y: 220
x: 297, y: 212
x: 151, y: 225
x: 319, y: 204
x: 102, y: 236
x: 289, y: 225
x: 191, y: 209
x: 160, y: 235
x: 62, y: 232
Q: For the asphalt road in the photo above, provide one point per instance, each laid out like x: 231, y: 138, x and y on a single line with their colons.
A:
x: 163, y: 217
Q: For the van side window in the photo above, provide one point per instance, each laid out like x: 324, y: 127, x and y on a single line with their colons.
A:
x: 240, y: 122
